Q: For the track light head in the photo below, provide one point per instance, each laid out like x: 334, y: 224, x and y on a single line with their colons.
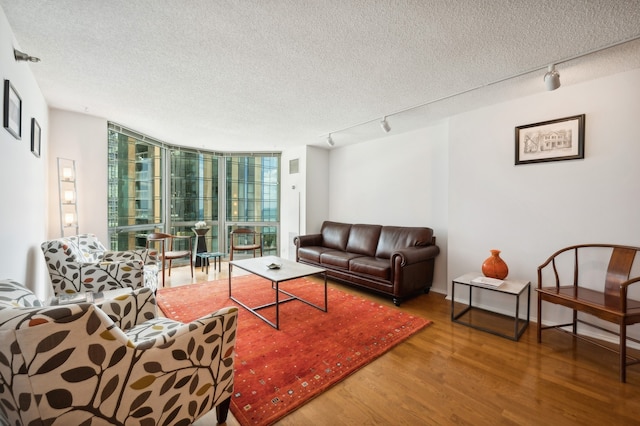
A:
x: 385, y: 125
x: 552, y: 78
x: 330, y: 141
x: 21, y: 56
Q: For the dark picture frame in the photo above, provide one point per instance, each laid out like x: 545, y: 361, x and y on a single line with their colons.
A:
x: 554, y: 140
x: 35, y: 137
x: 12, y: 116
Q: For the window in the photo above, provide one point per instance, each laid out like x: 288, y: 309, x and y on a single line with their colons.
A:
x: 194, y: 193
x: 134, y: 190
x: 144, y: 172
x: 253, y: 193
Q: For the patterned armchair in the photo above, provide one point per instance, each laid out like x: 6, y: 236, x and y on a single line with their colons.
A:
x: 81, y: 263
x: 71, y: 364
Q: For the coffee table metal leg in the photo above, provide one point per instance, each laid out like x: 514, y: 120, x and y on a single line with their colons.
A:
x: 277, y: 305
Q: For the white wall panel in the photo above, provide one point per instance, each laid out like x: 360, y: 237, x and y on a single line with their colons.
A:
x: 23, y: 189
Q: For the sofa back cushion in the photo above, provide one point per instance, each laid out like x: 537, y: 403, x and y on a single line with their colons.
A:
x: 393, y: 238
x: 363, y: 239
x: 335, y: 235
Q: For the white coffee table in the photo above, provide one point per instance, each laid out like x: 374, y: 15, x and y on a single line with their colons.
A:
x: 515, y: 288
x: 288, y: 270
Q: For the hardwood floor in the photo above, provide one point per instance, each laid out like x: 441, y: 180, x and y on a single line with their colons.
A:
x: 452, y: 374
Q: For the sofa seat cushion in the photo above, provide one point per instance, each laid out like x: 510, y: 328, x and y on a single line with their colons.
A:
x: 337, y: 259
x: 372, y: 266
x: 312, y: 253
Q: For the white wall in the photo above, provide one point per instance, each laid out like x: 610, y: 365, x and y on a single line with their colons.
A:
x: 459, y: 178
x: 530, y: 211
x: 292, y: 189
x: 23, y: 224
x: 82, y: 138
x: 400, y: 180
x: 304, y: 195
x: 316, y: 208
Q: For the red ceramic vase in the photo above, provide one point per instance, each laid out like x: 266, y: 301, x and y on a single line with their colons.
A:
x: 494, y: 266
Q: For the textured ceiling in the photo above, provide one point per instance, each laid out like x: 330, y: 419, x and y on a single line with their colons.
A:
x: 269, y: 74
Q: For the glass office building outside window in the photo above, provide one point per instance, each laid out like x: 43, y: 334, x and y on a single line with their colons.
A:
x: 194, y: 194
x: 153, y: 186
x: 253, y: 197
x: 134, y: 190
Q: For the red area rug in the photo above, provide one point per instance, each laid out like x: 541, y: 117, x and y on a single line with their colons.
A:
x: 277, y: 371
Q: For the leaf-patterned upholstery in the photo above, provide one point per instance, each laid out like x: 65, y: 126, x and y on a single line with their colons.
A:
x: 15, y: 295
x: 125, y: 306
x: 128, y: 307
x: 72, y: 365
x: 148, y: 257
x: 82, y: 263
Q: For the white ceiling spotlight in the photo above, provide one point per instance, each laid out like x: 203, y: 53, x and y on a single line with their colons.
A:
x: 552, y: 78
x: 330, y: 141
x: 385, y: 125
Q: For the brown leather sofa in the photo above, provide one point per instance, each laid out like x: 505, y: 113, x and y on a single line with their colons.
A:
x: 392, y: 260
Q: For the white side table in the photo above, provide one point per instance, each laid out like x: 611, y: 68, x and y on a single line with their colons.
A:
x: 515, y: 288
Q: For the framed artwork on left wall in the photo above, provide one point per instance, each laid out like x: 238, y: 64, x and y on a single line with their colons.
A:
x: 12, y: 117
x: 35, y: 137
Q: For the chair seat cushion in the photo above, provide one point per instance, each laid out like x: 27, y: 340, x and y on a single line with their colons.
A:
x: 247, y: 247
x: 151, y: 329
x: 575, y: 297
x: 176, y: 254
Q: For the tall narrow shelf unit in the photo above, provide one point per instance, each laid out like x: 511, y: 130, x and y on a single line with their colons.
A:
x: 68, y: 197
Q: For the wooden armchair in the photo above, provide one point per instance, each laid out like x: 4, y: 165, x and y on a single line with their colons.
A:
x: 244, y: 239
x: 570, y: 270
x: 167, y: 250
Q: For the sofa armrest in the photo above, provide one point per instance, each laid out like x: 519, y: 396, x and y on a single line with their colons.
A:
x: 308, y: 240
x: 411, y: 255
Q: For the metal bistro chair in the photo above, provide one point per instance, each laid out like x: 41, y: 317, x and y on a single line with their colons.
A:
x: 167, y: 251
x: 245, y: 239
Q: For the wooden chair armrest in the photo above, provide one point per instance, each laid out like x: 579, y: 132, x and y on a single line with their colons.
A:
x: 629, y: 282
